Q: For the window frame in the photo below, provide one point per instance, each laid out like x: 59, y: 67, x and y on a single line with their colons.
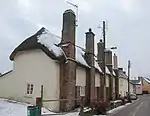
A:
x: 82, y: 91
x: 29, y: 89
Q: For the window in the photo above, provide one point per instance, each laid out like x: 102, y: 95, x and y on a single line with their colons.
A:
x: 29, y: 89
x: 82, y: 91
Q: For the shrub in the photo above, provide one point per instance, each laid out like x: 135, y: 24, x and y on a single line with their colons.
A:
x: 123, y: 100
x: 100, y: 107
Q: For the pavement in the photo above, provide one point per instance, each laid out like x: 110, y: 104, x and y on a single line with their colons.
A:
x: 140, y: 107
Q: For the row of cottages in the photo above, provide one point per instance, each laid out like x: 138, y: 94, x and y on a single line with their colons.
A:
x: 65, y: 70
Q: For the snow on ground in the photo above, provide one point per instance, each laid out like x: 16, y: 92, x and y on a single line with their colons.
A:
x: 117, y: 109
x: 14, y: 108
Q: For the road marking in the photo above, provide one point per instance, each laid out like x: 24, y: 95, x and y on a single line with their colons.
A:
x: 137, y: 108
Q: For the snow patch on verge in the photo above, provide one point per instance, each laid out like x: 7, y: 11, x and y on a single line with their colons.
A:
x: 14, y: 108
x: 115, y: 110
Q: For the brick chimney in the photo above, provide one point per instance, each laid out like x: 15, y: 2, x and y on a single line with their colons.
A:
x: 116, y: 69
x: 68, y: 70
x: 100, y: 57
x: 90, y: 82
x: 108, y: 54
x: 100, y: 54
x: 115, y: 61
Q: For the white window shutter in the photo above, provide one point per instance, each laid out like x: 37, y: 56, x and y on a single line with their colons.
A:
x: 82, y: 90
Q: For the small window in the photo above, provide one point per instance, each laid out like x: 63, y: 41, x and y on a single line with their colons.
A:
x: 30, y: 89
x: 82, y: 91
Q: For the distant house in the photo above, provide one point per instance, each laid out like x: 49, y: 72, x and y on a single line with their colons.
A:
x: 138, y: 86
x: 123, y: 83
x: 145, y: 85
x: 132, y: 87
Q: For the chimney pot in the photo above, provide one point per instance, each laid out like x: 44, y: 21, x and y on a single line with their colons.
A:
x: 90, y: 30
x: 101, y: 40
x: 120, y: 69
x: 69, y: 11
x: 90, y: 42
x: 115, y: 61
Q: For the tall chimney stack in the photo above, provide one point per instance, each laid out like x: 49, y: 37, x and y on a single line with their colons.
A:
x: 108, y: 54
x: 100, y: 54
x: 100, y: 57
x: 68, y: 70
x: 115, y: 60
x: 90, y: 92
x: 69, y: 26
x: 117, y: 70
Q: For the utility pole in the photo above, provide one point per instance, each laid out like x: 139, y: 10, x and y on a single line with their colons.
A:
x: 104, y: 59
x: 129, y: 63
x: 129, y: 66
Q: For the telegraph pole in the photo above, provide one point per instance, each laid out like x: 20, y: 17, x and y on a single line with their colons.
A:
x: 129, y: 63
x: 104, y: 58
x: 129, y: 66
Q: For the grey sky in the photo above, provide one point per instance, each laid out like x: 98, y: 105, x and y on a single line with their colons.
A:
x: 128, y: 26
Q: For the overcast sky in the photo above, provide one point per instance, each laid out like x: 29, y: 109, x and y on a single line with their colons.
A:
x: 128, y: 23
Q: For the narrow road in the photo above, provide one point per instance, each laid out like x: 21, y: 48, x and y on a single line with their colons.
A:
x: 138, y: 108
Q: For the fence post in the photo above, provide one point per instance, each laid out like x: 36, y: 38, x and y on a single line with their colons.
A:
x: 39, y: 104
x: 39, y: 101
x: 42, y: 95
